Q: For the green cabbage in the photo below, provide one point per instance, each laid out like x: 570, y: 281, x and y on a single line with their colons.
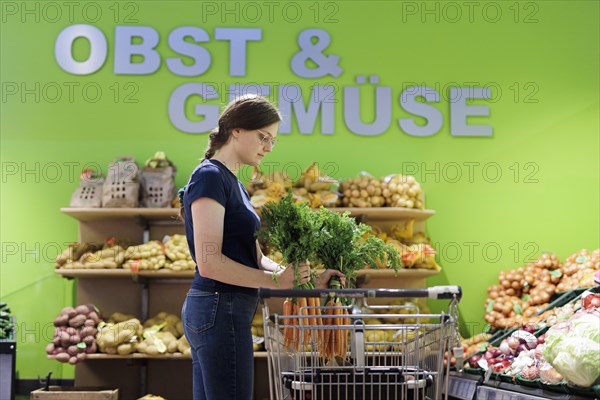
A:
x: 575, y: 351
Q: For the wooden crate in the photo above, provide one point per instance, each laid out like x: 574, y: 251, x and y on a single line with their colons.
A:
x: 75, y: 393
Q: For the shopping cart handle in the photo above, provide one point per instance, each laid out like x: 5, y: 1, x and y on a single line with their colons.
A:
x: 435, y: 292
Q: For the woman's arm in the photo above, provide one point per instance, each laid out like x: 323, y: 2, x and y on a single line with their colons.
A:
x: 207, y: 216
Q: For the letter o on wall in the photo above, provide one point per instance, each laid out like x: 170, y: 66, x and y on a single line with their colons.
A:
x: 64, y: 46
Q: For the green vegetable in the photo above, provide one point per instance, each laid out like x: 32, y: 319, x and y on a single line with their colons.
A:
x: 347, y: 247
x: 573, y: 348
x: 291, y: 229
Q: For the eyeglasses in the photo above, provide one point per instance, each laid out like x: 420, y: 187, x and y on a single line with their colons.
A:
x: 265, y: 138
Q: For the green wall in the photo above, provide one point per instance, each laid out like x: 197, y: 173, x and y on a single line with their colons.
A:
x: 541, y: 63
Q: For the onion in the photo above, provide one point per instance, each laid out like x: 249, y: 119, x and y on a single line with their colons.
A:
x: 473, y: 361
x: 542, y: 339
x: 522, y: 347
x: 549, y: 375
x: 530, y: 372
x: 513, y: 342
x: 488, y: 354
x: 497, y: 352
x: 492, y: 361
x: 505, y: 348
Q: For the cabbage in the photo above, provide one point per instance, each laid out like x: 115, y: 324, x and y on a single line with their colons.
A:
x: 575, y: 352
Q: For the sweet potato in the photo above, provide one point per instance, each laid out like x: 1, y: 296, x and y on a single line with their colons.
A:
x: 63, y: 357
x: 82, y: 310
x: 62, y: 319
x: 77, y: 321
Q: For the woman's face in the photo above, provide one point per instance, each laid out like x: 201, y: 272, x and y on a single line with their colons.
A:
x: 253, y: 145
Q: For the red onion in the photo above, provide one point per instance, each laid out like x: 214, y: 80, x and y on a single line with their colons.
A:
x: 541, y: 339
x: 522, y: 347
x: 488, y: 354
x: 473, y: 361
x: 496, y: 353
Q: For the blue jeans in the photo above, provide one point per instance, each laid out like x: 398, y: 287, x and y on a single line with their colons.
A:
x: 217, y: 325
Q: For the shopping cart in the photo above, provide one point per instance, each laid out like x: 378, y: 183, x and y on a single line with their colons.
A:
x: 401, y: 356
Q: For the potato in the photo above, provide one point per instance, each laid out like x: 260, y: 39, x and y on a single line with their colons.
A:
x: 88, y: 331
x: 62, y: 319
x: 71, y: 331
x: 73, y: 360
x: 94, y: 317
x: 64, y: 336
x: 63, y: 357
x: 77, y: 321
x: 69, y: 311
x: 88, y: 340
x: 91, y: 348
x: 83, y: 310
x: 73, y: 350
x: 50, y: 348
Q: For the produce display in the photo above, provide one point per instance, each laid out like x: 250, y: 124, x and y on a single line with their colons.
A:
x: 148, y: 256
x: 523, y: 293
x: 165, y: 322
x: 402, y: 191
x: 92, y: 256
x: 579, y: 270
x: 155, y: 343
x: 363, y: 191
x: 75, y: 333
x: 312, y: 187
x: 178, y: 253
x: 119, y: 338
x: 6, y: 322
x: 561, y: 350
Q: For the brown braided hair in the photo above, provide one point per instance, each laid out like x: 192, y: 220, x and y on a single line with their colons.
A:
x: 246, y: 112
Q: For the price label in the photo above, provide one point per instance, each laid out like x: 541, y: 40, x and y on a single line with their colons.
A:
x: 462, y: 388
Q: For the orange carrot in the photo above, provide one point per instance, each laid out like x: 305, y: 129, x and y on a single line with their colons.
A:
x: 319, y: 323
x: 295, y: 342
x: 302, y: 304
x: 328, y: 320
x: 346, y: 321
x: 338, y: 332
x: 287, y: 330
x: 310, y: 301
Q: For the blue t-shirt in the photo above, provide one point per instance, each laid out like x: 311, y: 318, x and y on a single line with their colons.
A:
x: 241, y: 223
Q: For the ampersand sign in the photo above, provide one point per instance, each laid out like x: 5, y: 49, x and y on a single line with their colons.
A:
x: 326, y: 65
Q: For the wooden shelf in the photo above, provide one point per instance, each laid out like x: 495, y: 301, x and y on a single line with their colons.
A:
x: 169, y: 274
x: 170, y: 214
x: 94, y: 214
x: 124, y: 273
x: 142, y: 356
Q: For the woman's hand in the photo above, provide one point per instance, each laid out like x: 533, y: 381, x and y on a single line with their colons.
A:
x: 287, y: 276
x: 323, y: 280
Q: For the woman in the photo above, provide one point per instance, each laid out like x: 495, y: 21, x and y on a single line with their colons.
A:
x: 221, y: 227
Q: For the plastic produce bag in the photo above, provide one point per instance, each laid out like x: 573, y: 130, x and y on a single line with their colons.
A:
x: 573, y: 348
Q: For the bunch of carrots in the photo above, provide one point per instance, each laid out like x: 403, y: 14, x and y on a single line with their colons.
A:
x: 304, y: 323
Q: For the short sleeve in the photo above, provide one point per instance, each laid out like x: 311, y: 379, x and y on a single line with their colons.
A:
x: 206, y: 181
